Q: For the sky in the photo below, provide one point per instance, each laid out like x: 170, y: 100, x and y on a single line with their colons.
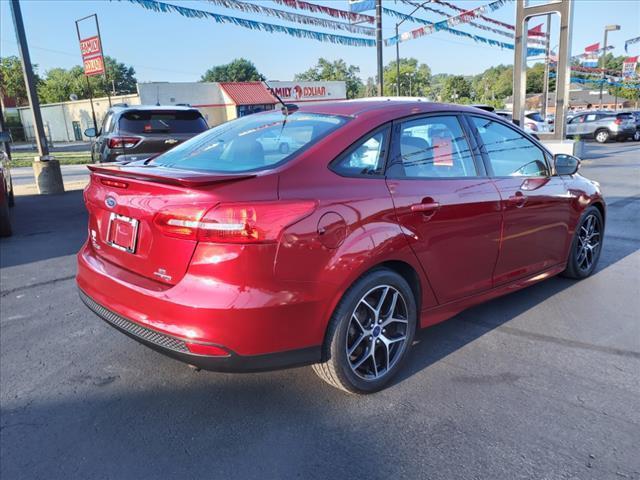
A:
x: 169, y: 47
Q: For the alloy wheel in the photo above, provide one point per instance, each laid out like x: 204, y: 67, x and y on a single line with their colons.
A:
x: 588, y: 243
x: 602, y: 136
x: 377, y: 332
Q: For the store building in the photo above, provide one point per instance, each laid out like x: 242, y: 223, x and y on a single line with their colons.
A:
x: 224, y: 101
x: 67, y: 121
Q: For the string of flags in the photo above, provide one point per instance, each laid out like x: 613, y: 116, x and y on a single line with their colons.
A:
x: 445, y: 25
x: 486, y: 19
x: 293, y: 17
x: 609, y: 82
x: 157, y: 6
x: 446, y: 15
x: 332, y: 12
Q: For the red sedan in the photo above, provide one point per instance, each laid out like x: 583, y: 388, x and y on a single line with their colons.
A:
x: 382, y: 217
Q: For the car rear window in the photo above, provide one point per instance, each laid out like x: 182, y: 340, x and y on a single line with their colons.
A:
x: 251, y: 143
x: 536, y: 117
x: 165, y: 121
x: 626, y: 116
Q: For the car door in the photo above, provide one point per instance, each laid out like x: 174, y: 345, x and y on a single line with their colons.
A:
x: 448, y: 208
x: 535, y: 204
x: 573, y: 125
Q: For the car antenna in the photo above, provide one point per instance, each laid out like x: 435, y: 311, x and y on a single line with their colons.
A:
x: 286, y: 107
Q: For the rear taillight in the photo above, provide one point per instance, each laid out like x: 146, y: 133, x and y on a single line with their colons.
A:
x: 256, y: 222
x: 618, y: 121
x: 532, y: 126
x: 124, y: 142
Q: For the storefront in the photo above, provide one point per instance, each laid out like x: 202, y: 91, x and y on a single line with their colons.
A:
x: 224, y: 101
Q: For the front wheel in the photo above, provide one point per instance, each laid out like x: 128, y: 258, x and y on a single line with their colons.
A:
x: 586, y: 245
x: 369, y: 333
x: 636, y: 136
x: 284, y: 148
x: 602, y: 136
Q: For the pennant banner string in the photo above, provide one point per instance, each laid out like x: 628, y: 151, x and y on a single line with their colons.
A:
x: 293, y: 17
x: 486, y: 28
x: 598, y: 82
x: 158, y: 6
x: 332, y: 12
x: 430, y: 27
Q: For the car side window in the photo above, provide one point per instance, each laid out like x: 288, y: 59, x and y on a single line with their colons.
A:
x: 434, y: 147
x: 591, y: 117
x: 510, y: 153
x: 366, y: 157
x: 106, y: 124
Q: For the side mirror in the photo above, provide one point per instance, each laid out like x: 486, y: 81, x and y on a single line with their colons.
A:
x: 566, y: 164
x: 90, y: 132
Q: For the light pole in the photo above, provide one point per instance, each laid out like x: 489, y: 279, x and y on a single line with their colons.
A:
x: 607, y: 29
x: 398, y: 44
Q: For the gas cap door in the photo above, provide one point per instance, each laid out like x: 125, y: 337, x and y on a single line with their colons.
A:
x: 332, y: 229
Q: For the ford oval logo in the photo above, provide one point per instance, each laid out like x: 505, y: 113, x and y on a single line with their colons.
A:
x: 110, y: 202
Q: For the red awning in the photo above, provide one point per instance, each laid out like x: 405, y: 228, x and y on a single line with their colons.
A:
x: 248, y: 93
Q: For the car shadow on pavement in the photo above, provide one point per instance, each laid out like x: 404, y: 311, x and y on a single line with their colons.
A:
x: 44, y: 226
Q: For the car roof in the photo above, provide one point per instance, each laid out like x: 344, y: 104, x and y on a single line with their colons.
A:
x: 123, y: 108
x: 400, y: 105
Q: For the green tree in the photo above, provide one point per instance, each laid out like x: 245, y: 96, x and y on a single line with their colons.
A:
x: 456, y: 89
x: 493, y: 85
x: 60, y: 83
x: 12, y: 79
x: 337, y: 70
x: 239, y: 70
x: 415, y: 79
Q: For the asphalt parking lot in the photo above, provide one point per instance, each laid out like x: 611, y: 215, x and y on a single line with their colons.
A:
x: 541, y: 384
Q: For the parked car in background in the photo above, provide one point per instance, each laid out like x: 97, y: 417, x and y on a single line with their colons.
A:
x: 137, y: 132
x: 636, y: 116
x: 389, y: 217
x: 6, y: 186
x: 274, y: 141
x: 602, y: 126
x: 508, y: 116
x: 534, y: 122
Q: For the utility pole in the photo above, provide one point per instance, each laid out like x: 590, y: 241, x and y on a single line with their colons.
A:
x: 379, y: 45
x: 603, y: 57
x: 45, y: 168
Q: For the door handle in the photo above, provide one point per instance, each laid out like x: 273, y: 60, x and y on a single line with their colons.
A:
x: 425, y: 207
x: 518, y: 199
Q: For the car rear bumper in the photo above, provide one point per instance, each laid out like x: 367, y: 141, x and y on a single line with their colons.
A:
x: 177, y: 348
x: 259, y: 328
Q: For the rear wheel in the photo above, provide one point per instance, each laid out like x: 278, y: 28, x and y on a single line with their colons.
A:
x: 586, y: 245
x: 602, y: 136
x: 5, y: 223
x: 636, y: 136
x: 369, y: 333
x: 284, y: 148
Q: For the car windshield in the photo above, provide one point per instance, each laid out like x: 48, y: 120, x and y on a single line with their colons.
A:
x: 251, y: 143
x: 162, y: 121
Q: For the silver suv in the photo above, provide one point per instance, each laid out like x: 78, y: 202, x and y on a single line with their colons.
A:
x: 603, y: 126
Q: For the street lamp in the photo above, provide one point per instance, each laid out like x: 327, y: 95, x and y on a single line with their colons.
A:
x: 607, y: 29
x: 398, y: 44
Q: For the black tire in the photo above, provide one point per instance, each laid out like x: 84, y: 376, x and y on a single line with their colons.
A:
x: 284, y: 148
x: 336, y: 368
x: 575, y: 267
x: 5, y: 222
x: 602, y: 136
x: 11, y: 200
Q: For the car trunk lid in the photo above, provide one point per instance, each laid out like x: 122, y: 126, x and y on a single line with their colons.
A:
x: 123, y: 202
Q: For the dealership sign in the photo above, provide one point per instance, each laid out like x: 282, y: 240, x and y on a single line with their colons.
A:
x: 92, y: 58
x: 309, y: 91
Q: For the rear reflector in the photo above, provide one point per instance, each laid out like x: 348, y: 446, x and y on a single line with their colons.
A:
x: 256, y: 222
x: 618, y: 121
x: 210, y: 350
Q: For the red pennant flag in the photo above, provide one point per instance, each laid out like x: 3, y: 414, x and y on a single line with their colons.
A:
x: 537, y: 30
x: 592, y: 48
x: 631, y: 59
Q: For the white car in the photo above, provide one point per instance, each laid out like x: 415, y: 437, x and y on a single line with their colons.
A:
x: 529, y: 126
x: 535, y: 122
x: 272, y: 142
